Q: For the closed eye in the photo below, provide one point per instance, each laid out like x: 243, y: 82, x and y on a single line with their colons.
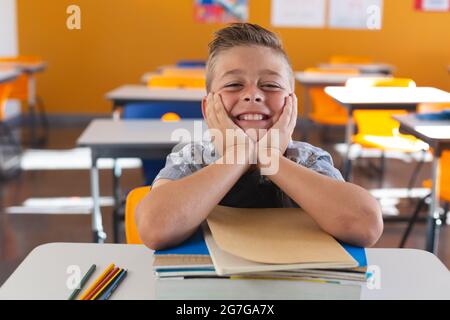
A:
x: 231, y: 85
x: 271, y: 86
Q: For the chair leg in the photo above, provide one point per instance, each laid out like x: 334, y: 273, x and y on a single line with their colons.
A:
x: 413, y: 220
x: 117, y: 201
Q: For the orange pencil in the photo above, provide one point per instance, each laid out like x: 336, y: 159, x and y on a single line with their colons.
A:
x: 101, y: 284
x: 97, y: 281
x: 102, y: 289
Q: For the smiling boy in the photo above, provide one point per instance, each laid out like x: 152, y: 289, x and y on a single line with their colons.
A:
x: 250, y: 88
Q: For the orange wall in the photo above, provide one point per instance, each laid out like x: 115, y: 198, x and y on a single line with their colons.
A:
x: 122, y: 39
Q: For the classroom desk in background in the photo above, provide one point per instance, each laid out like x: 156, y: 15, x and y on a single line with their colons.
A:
x: 147, y: 76
x: 381, y: 98
x: 365, y: 68
x: 437, y: 135
x: 404, y: 274
x: 30, y: 69
x: 141, y: 94
x: 8, y: 75
x: 310, y: 80
x: 146, y: 139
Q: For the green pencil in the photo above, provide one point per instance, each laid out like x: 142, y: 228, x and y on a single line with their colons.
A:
x: 82, y: 282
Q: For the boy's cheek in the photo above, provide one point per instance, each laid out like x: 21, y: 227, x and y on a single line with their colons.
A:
x: 228, y: 100
x: 277, y: 102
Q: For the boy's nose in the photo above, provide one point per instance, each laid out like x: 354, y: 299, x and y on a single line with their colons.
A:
x: 253, y: 95
x: 250, y: 99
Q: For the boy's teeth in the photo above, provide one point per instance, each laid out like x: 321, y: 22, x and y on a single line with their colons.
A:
x: 250, y: 116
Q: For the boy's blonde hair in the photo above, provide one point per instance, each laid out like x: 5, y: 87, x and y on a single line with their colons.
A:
x: 242, y: 34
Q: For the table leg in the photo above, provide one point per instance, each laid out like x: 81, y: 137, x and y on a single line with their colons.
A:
x: 32, y: 110
x: 97, y: 226
x: 117, y: 172
x: 348, y: 143
x: 433, y: 221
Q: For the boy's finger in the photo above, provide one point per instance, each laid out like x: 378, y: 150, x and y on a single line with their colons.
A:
x: 222, y: 113
x: 285, y: 116
x: 293, y: 121
x: 211, y: 114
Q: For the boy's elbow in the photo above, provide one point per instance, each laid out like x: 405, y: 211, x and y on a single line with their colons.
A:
x: 363, y: 229
x: 148, y: 231
x: 369, y: 231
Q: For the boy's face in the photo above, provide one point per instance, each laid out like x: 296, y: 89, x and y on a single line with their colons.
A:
x: 254, y: 83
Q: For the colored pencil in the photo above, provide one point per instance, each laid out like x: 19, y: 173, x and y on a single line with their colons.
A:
x: 106, y: 284
x: 101, y: 284
x: 97, y: 281
x: 109, y: 291
x: 82, y: 282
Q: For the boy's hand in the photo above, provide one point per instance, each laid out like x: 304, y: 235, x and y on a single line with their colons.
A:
x: 278, y: 136
x: 228, y: 138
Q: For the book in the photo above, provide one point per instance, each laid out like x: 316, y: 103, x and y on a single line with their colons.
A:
x: 201, y: 257
x: 228, y: 264
x: 183, y: 271
x: 191, y: 253
x: 265, y: 240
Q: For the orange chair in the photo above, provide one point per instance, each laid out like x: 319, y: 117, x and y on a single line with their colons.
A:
x: 21, y: 91
x: 184, y: 72
x: 377, y: 129
x: 21, y: 84
x: 176, y: 81
x: 326, y: 112
x: 344, y: 59
x: 5, y: 91
x: 133, y: 199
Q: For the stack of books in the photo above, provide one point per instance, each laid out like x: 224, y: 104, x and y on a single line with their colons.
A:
x: 267, y: 253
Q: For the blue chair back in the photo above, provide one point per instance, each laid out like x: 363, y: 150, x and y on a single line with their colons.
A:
x: 155, y: 110
x: 191, y: 64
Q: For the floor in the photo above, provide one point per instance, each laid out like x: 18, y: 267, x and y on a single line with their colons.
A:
x: 21, y: 233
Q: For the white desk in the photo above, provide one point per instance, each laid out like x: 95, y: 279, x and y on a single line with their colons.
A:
x: 8, y: 75
x: 315, y: 79
x: 379, y: 98
x: 366, y: 68
x: 140, y: 93
x: 437, y: 135
x: 147, y: 139
x: 405, y: 274
x: 26, y: 67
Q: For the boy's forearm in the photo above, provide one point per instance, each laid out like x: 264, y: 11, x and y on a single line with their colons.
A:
x: 172, y: 212
x: 342, y: 209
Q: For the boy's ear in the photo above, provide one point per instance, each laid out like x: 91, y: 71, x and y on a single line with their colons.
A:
x: 204, y: 107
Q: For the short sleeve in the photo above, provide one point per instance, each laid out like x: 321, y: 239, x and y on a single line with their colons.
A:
x: 313, y: 158
x: 186, y: 160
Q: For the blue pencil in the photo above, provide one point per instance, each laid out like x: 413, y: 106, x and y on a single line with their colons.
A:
x: 114, y: 285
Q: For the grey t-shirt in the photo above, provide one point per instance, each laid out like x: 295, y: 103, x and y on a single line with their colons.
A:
x: 252, y: 190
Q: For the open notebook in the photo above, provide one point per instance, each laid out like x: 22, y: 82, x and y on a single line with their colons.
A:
x: 273, y: 239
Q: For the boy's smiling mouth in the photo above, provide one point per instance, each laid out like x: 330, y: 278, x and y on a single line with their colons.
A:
x: 253, y: 120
